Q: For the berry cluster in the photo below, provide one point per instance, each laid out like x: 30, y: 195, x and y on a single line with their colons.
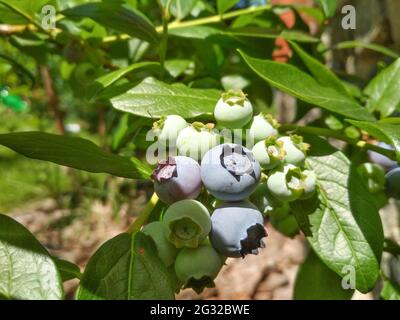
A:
x: 238, y: 185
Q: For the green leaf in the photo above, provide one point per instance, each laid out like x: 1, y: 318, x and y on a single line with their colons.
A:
x: 390, y: 290
x: 67, y: 270
x: 315, y: 281
x: 386, y: 132
x: 320, y: 72
x: 383, y: 91
x: 342, y: 223
x: 301, y: 85
x: 117, y: 17
x: 153, y: 98
x: 73, y: 152
x: 106, y: 80
x: 328, y: 7
x: 194, y: 32
x: 26, y: 269
x: 370, y: 46
x: 225, y: 5
x: 176, y: 67
x: 126, y: 268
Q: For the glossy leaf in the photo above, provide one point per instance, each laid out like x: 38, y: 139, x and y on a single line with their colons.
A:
x: 182, y: 8
x: 73, y: 152
x: 26, y: 269
x: 115, y: 16
x: 105, y: 81
x: 17, y: 11
x: 301, y: 85
x: 383, y: 91
x: 315, y: 281
x: 153, y: 98
x: 126, y: 268
x: 386, y: 132
x: 342, y: 224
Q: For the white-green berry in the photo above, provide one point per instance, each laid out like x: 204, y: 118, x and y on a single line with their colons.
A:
x: 269, y: 152
x: 168, y: 128
x: 262, y: 127
x: 295, y: 149
x: 233, y: 110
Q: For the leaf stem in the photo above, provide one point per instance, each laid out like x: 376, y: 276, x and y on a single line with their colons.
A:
x: 339, y: 136
x: 142, y: 218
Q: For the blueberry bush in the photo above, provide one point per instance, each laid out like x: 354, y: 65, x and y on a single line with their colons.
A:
x: 181, y: 96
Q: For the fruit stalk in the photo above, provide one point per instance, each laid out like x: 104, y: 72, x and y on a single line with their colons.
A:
x: 142, y: 218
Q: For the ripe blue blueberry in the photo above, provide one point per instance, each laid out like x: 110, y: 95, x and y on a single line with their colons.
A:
x: 295, y: 149
x: 165, y: 249
x: 188, y: 223
x: 382, y: 160
x: 267, y: 204
x: 197, y: 268
x: 230, y: 172
x: 237, y: 229
x: 177, y: 178
x: 262, y: 127
x: 289, y: 183
x: 269, y: 152
x: 168, y: 128
x: 195, y: 140
x: 393, y: 183
x: 233, y: 110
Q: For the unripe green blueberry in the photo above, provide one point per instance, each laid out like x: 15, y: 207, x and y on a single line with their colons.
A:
x: 188, y: 223
x: 197, y: 268
x: 195, y: 140
x: 262, y: 127
x: 373, y: 176
x: 269, y: 152
x: 168, y: 128
x: 295, y: 149
x: 233, y: 110
x: 267, y: 204
x: 286, y: 183
x: 165, y: 249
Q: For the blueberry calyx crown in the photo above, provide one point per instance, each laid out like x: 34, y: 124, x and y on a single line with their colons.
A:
x: 237, y: 161
x: 253, y: 241
x: 165, y: 170
x: 234, y: 97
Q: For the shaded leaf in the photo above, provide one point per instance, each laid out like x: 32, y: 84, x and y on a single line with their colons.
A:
x: 370, y: 46
x: 315, y: 281
x: 225, y: 5
x: 67, y: 270
x: 126, y: 268
x: 73, y: 152
x: 328, y: 7
x: 115, y: 16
